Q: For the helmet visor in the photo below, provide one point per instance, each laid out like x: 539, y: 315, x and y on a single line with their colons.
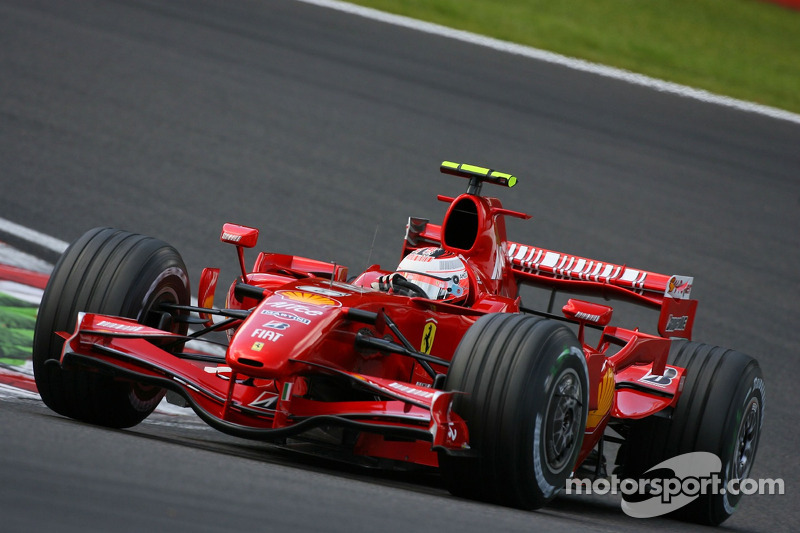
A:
x: 437, y: 288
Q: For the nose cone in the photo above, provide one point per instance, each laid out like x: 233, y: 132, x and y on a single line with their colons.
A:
x: 289, y: 324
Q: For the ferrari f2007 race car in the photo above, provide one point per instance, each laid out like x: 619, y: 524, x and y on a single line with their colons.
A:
x: 436, y: 363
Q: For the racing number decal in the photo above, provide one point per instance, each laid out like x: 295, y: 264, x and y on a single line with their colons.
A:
x: 452, y: 433
x: 428, y: 335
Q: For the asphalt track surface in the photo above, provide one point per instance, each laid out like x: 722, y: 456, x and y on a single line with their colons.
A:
x: 323, y: 129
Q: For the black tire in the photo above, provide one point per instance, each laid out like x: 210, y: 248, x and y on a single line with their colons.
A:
x: 110, y: 272
x: 721, y: 411
x: 526, y: 404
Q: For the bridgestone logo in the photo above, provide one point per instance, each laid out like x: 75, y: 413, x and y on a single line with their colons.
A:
x: 411, y: 390
x: 119, y: 327
x: 676, y: 323
x: 586, y: 316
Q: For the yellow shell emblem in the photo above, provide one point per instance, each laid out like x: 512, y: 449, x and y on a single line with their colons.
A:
x: 310, y: 298
x: 605, y: 399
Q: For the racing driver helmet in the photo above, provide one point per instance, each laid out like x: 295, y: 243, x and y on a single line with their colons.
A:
x: 442, y: 275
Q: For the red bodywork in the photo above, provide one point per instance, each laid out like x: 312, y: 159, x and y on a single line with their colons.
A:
x: 312, y: 350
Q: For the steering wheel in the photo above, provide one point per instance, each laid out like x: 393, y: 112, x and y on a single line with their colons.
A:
x: 403, y: 287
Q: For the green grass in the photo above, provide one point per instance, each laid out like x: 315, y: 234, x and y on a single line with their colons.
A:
x: 17, y: 320
x: 746, y: 49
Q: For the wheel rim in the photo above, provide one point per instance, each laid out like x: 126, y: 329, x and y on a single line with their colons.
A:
x: 167, y: 288
x: 153, y: 315
x: 564, y: 415
x: 747, y: 440
x: 144, y: 398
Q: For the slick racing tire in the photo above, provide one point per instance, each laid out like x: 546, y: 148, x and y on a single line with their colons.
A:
x: 526, y: 386
x: 720, y: 411
x: 111, y: 272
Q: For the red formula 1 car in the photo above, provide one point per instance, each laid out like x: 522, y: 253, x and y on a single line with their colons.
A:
x: 435, y: 364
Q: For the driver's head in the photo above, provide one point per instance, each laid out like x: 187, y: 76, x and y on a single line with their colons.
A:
x: 441, y: 274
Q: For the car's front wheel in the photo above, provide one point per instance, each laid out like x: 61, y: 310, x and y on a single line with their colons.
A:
x: 526, y: 395
x: 111, y: 272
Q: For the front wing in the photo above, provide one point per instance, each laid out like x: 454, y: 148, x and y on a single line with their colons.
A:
x: 403, y: 414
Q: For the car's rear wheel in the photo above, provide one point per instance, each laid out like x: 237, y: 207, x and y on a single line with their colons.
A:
x: 526, y: 386
x: 112, y: 272
x: 720, y: 411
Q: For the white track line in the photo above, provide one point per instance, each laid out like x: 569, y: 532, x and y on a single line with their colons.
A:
x: 33, y: 236
x: 557, y: 59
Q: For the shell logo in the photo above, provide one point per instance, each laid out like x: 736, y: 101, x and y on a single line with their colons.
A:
x: 605, y: 398
x: 310, y: 298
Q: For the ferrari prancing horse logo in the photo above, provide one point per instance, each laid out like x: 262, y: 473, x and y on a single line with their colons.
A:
x: 427, y: 337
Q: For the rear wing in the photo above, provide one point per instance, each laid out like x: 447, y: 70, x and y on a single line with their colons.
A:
x: 580, y: 275
x: 670, y: 294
